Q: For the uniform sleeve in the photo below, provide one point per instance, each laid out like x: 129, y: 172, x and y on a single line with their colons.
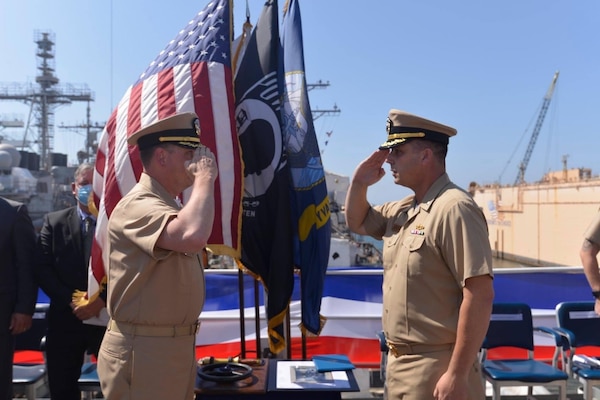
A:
x: 143, y: 225
x: 464, y: 241
x: 593, y: 231
x: 380, y: 217
x: 375, y: 222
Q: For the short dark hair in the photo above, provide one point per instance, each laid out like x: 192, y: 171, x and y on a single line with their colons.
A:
x: 440, y: 150
x: 146, y: 153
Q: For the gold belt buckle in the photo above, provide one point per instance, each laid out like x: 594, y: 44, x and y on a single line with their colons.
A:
x: 393, y: 349
x: 399, y: 349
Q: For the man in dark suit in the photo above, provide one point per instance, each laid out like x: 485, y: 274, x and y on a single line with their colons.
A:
x: 18, y: 291
x: 62, y: 268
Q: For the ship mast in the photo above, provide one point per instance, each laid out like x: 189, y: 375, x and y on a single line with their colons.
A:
x: 317, y: 112
x: 536, y: 131
x: 45, y: 96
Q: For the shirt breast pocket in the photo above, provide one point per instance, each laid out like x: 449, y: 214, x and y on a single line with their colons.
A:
x: 415, y: 256
x: 413, y: 242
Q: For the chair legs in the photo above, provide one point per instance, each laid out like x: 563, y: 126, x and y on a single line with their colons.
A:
x: 588, y: 391
x: 495, y: 392
x: 30, y: 392
x: 562, y: 392
x: 87, y: 396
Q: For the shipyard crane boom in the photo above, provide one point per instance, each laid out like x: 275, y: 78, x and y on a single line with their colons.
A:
x: 536, y: 131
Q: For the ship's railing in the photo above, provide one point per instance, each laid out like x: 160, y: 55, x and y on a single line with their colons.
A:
x: 529, y: 270
x: 497, y: 271
x: 379, y: 271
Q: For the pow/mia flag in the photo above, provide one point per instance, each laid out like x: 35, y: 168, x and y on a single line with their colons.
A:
x: 266, y: 225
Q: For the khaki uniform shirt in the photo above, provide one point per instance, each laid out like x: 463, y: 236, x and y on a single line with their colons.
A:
x: 429, y: 250
x: 593, y: 231
x: 146, y: 284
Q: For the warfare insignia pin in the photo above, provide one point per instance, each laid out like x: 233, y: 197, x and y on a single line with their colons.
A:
x: 419, y: 230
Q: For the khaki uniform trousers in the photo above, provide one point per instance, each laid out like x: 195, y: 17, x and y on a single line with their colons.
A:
x: 134, y: 367
x: 414, y: 376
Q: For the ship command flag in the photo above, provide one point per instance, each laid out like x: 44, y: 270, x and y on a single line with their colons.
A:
x: 310, y: 201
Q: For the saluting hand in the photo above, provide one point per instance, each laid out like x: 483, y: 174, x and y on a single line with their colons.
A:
x: 370, y: 171
x: 203, y: 164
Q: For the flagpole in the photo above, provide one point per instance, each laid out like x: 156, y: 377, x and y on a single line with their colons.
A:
x: 242, y: 317
x: 288, y: 334
x: 257, y: 319
x: 302, y: 331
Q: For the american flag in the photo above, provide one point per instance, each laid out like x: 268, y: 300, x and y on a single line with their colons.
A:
x: 192, y: 73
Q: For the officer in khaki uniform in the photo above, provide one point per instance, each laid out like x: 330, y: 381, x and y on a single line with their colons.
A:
x: 155, y: 277
x: 589, y: 259
x: 437, y: 282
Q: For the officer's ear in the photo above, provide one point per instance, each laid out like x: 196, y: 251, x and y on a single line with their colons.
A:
x: 160, y: 154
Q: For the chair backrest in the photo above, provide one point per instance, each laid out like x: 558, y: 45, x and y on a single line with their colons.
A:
x: 511, y: 325
x: 31, y: 339
x: 579, y: 317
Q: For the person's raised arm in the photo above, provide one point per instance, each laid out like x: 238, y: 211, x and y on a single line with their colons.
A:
x: 367, y: 173
x: 190, y: 229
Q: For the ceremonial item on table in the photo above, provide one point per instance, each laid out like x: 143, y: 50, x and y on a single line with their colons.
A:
x: 332, y: 362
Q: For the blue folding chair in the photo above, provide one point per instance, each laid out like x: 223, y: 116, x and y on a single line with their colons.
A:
x: 30, y: 377
x: 89, y: 382
x: 580, y: 326
x: 511, y: 325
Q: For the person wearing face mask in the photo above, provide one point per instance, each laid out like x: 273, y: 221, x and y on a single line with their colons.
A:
x: 61, y: 269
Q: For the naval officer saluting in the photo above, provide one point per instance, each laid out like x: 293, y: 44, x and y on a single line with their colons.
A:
x: 156, y: 285
x: 437, y: 276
